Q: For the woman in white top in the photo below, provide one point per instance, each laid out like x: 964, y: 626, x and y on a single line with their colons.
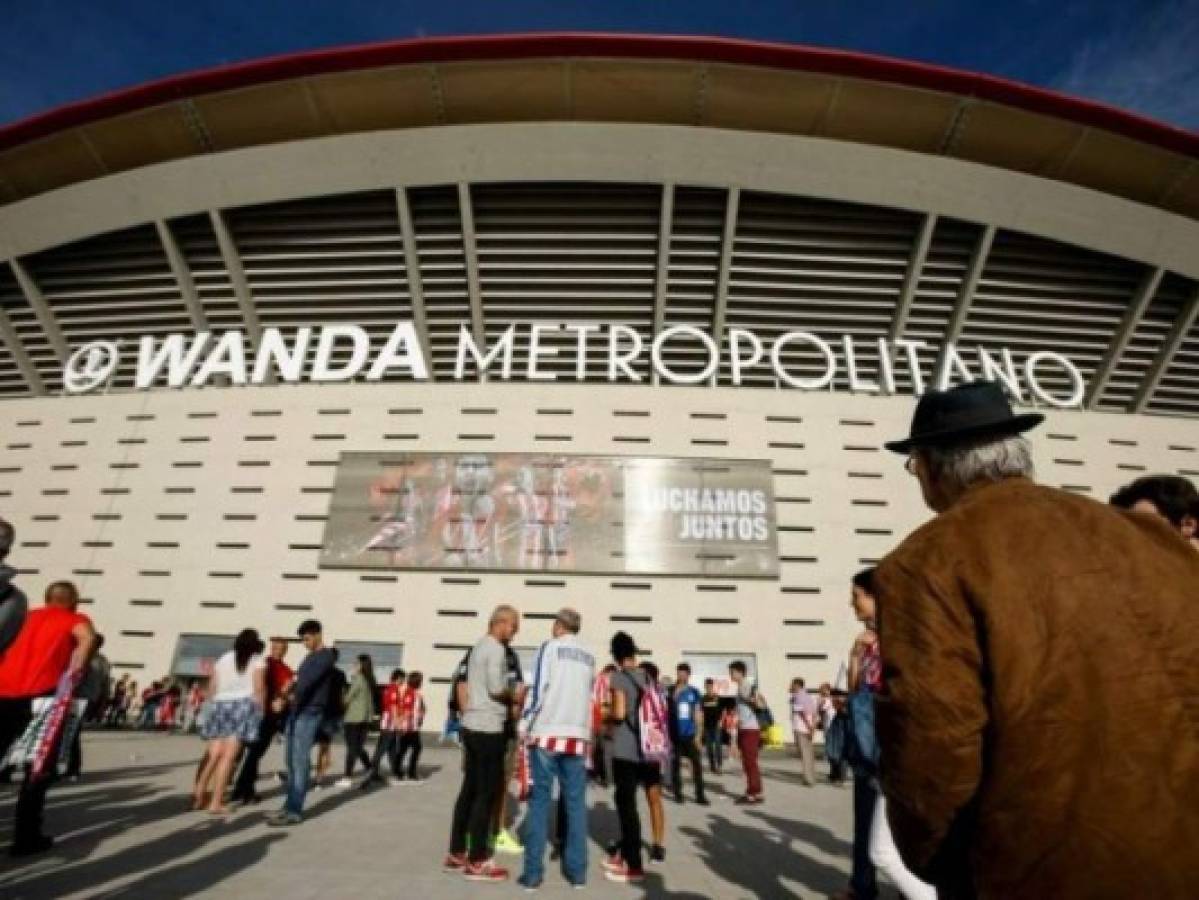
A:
x: 236, y: 694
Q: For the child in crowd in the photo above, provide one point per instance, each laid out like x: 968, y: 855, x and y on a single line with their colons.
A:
x: 411, y: 717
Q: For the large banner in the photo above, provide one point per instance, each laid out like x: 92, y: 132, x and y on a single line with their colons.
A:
x: 542, y: 512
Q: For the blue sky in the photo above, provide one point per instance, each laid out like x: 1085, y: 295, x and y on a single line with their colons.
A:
x: 1139, y: 54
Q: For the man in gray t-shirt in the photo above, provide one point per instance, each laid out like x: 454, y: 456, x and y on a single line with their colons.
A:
x: 488, y: 698
x: 749, y: 731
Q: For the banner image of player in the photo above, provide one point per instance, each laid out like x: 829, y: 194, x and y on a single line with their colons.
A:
x: 552, y: 512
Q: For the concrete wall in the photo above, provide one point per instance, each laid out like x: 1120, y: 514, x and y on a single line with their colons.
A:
x: 133, y: 495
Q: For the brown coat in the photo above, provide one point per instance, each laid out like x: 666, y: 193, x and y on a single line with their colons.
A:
x: 1039, y: 720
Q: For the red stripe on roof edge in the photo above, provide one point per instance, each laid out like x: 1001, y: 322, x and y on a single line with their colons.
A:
x: 625, y: 46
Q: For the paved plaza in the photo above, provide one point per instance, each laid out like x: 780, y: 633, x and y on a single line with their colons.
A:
x: 124, y: 831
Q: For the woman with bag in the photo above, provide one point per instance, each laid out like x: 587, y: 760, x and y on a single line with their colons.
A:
x: 359, y: 710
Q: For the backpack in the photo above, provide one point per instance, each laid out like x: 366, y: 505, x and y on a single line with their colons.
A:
x: 652, y: 724
x: 457, y: 679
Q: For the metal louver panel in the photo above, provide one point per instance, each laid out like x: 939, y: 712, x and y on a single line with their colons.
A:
x: 1036, y: 294
x: 437, y: 226
x: 1177, y: 390
x: 111, y: 287
x: 1146, y: 343
x: 820, y: 266
x: 198, y: 244
x: 567, y: 254
x: 12, y: 382
x: 937, y: 292
x: 324, y: 261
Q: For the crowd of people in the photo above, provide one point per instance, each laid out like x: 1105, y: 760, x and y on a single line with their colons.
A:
x: 1019, y: 716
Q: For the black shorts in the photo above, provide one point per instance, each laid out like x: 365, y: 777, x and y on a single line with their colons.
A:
x: 648, y: 775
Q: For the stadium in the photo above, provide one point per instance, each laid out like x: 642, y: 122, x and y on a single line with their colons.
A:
x: 387, y: 335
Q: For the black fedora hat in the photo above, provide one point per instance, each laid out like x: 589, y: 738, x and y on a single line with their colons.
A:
x: 977, y: 409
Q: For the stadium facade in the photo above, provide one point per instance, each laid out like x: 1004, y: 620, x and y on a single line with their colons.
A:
x: 581, y: 254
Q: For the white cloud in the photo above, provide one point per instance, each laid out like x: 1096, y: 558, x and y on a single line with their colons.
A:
x: 1148, y: 64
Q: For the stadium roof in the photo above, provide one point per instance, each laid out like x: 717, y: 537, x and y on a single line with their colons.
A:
x: 700, y: 81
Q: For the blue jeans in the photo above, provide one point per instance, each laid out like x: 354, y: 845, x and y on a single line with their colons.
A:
x: 301, y: 735
x: 571, y: 772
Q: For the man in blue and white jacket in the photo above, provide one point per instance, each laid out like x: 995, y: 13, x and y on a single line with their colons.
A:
x: 557, y: 726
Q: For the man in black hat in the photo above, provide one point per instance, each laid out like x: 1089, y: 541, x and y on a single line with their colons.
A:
x: 1039, y: 713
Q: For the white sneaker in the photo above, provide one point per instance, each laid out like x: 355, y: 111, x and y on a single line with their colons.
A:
x: 343, y: 783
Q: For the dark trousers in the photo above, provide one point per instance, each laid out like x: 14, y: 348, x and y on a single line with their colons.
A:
x: 715, y: 749
x: 865, y: 794
x: 482, y: 782
x: 599, y: 762
x: 388, y: 745
x: 685, y: 748
x: 247, y: 777
x: 627, y: 776
x: 15, y: 714
x: 410, y: 742
x: 355, y: 733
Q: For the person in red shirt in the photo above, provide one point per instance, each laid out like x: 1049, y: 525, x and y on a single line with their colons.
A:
x: 54, y: 639
x: 279, y: 677
x: 389, y: 730
x: 412, y: 716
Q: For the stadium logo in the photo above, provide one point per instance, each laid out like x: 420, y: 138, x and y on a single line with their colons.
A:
x: 796, y: 359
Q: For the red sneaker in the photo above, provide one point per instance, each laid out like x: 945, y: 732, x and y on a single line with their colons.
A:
x: 624, y: 874
x: 454, y: 862
x: 486, y: 870
x: 613, y: 862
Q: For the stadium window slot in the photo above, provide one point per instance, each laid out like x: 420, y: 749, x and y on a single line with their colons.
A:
x: 1062, y: 437
x: 708, y: 620
x: 332, y: 412
x: 322, y: 462
x: 619, y: 617
x: 715, y: 557
x: 299, y: 576
x: 1131, y: 467
x: 541, y: 616
x: 476, y: 437
x: 145, y: 603
x: 716, y: 588
x: 544, y: 582
x: 1077, y: 488
x: 259, y: 437
x: 873, y: 532
x: 859, y: 448
x: 793, y: 500
x: 406, y: 411
x: 220, y: 574
x: 784, y: 420
x: 28, y: 571
x: 807, y: 560
x: 631, y: 413
x: 266, y: 413
x: 1069, y: 462
x: 73, y: 444
x: 625, y: 439
x: 232, y: 545
x: 869, y: 561
x: 246, y: 490
x: 552, y: 437
x: 217, y: 604
x: 154, y: 573
x: 13, y: 470
x: 128, y: 665
x: 791, y: 472
x: 803, y: 623
x: 240, y: 517
x: 124, y: 465
x: 5, y: 493
x: 720, y: 417
x: 856, y: 423
x: 254, y: 463
x: 316, y: 490
x: 195, y: 439
x: 114, y: 492
x: 1189, y: 473
x: 54, y: 518
x: 99, y: 545
x: 458, y: 613
x: 555, y: 412
x: 311, y: 518
x: 812, y: 656
x: 1119, y: 442
x: 375, y: 610
x: 179, y: 490
x: 171, y: 517
x: 796, y: 529
x: 19, y: 446
x: 478, y: 411
x: 293, y: 607
x: 136, y: 634
x: 101, y: 517
x: 709, y: 442
x: 140, y: 417
x: 449, y: 579
x: 789, y: 589
x: 401, y: 437
x: 630, y: 585
x: 327, y: 437
x: 1182, y: 448
x: 163, y: 545
x: 83, y: 420
x: 57, y: 492
x: 189, y: 464
x: 34, y: 545
x: 784, y: 445
x: 201, y: 415
x: 383, y: 579
x: 304, y: 547
x: 868, y: 502
x: 865, y: 474
x: 29, y: 423
x: 130, y: 442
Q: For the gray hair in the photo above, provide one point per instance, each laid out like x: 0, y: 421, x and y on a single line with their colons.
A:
x: 8, y: 534
x: 502, y: 613
x: 959, y: 466
x: 569, y: 619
